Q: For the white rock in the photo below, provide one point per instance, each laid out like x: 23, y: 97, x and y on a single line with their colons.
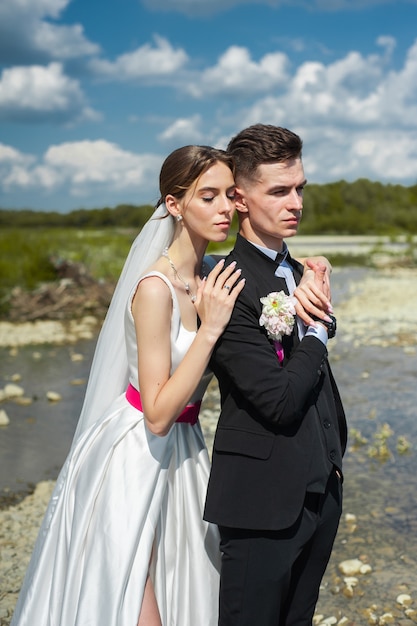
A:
x: 23, y: 401
x: 365, y: 569
x: 13, y: 391
x: 351, y: 581
x: 386, y: 618
x: 53, y: 396
x: 4, y: 418
x: 404, y: 599
x: 350, y: 567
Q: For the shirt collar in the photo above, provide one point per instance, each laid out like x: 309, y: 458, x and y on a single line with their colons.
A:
x: 278, y: 257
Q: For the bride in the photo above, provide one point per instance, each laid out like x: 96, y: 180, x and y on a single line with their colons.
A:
x: 123, y: 541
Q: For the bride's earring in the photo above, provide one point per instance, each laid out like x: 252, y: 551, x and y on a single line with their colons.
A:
x: 179, y: 218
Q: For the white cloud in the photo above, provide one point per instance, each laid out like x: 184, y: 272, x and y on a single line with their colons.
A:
x: 354, y: 91
x: 26, y: 35
x: 148, y: 61
x: 193, y: 7
x: 83, y: 166
x: 41, y: 93
x: 41, y: 8
x: 332, y: 154
x: 236, y: 73
x: 387, y: 42
x: 203, y: 7
x: 357, y: 118
x: 63, y: 42
x: 15, y: 167
x: 9, y: 155
x: 183, y: 131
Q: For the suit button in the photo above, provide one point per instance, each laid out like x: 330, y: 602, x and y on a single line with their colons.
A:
x: 332, y: 455
x: 326, y: 424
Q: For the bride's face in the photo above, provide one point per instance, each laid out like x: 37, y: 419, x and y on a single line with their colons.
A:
x: 209, y: 204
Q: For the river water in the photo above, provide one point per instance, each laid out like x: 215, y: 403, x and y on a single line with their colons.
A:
x: 378, y: 387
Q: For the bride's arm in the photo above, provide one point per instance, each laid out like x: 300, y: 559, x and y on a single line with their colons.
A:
x: 163, y: 395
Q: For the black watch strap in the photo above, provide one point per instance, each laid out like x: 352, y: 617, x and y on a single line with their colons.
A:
x: 331, y: 326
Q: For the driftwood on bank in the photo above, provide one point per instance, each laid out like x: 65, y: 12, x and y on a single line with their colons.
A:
x: 73, y: 295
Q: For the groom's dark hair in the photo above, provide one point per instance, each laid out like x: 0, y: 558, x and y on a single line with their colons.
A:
x: 262, y: 143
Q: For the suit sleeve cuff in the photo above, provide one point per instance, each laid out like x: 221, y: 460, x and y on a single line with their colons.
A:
x: 318, y: 331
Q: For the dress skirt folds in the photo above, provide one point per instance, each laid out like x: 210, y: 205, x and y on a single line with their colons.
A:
x: 126, y: 503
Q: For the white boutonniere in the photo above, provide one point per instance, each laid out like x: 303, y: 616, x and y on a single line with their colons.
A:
x: 278, y: 318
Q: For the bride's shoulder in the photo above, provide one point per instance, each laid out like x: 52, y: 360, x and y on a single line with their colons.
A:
x: 154, y: 284
x: 153, y: 294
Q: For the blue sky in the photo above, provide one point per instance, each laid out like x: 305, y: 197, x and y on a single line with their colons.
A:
x: 95, y: 93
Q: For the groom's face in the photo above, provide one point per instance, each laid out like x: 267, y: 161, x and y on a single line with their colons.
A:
x: 270, y: 207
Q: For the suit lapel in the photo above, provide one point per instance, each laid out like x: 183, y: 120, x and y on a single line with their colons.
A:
x: 262, y: 269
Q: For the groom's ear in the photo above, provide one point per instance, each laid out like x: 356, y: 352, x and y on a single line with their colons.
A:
x: 240, y: 201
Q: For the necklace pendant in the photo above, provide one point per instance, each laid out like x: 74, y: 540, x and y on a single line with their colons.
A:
x: 180, y: 278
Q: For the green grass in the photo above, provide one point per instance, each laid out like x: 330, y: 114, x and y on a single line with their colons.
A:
x: 26, y: 254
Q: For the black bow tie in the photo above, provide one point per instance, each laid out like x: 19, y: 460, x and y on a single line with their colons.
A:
x: 281, y: 256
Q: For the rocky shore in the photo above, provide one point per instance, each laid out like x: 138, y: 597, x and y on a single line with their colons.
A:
x: 377, y: 306
x: 375, y: 309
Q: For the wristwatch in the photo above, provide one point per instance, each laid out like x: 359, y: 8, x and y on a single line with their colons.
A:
x: 331, y: 326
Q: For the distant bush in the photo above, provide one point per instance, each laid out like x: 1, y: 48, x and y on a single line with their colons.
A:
x: 122, y: 216
x: 359, y: 208
x: 362, y: 207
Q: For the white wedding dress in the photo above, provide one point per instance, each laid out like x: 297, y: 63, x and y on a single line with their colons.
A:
x: 127, y: 500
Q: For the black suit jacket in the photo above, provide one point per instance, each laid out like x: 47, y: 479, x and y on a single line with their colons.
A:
x: 263, y: 452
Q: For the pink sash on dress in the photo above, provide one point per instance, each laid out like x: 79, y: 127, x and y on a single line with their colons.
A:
x: 189, y: 415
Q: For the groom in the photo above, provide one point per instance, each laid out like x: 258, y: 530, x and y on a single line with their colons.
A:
x: 275, y: 489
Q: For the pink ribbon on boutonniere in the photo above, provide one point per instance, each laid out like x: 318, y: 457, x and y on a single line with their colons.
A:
x: 278, y: 318
x: 279, y: 349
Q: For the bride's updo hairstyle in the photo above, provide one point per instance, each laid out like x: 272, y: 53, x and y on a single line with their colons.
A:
x: 185, y: 165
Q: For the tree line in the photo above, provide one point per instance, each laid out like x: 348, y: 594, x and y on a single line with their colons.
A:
x: 122, y: 216
x: 360, y: 207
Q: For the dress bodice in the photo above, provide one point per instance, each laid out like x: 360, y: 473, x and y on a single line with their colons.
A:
x: 181, y: 339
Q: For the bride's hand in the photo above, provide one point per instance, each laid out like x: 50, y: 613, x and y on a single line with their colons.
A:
x: 216, y: 297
